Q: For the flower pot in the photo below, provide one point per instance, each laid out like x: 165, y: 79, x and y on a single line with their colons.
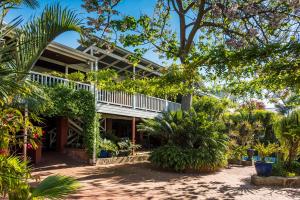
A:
x: 263, y: 168
x: 103, y: 154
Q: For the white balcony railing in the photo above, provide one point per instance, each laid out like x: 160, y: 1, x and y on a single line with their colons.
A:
x: 49, y: 80
x: 118, y: 98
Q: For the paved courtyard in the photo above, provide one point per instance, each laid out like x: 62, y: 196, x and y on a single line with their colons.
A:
x: 140, y: 181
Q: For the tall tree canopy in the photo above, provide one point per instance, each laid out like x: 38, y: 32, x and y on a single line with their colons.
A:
x: 203, y: 26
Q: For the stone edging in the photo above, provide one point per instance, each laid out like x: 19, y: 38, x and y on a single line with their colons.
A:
x: 276, y: 181
x: 122, y: 160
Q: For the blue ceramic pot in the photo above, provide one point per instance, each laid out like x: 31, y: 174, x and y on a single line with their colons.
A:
x: 263, y: 169
x: 103, y: 154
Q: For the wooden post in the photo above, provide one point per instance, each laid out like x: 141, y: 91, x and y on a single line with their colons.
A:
x: 133, y: 134
x: 62, y: 133
x: 25, y: 132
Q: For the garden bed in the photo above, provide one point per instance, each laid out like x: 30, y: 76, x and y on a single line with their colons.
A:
x: 122, y: 160
x: 276, y: 181
x: 240, y: 162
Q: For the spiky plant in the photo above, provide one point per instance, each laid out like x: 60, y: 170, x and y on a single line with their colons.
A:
x: 288, y: 132
x: 21, y: 48
x: 14, y: 176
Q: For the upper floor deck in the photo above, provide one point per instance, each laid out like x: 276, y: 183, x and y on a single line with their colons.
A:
x: 114, y: 102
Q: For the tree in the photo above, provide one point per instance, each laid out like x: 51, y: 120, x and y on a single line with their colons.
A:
x: 203, y: 24
x: 21, y: 48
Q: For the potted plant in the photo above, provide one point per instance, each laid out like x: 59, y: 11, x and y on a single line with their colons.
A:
x: 126, y: 147
x: 236, y: 154
x: 262, y: 167
x: 107, y: 149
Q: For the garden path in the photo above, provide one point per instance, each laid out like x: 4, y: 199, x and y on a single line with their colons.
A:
x: 140, y: 181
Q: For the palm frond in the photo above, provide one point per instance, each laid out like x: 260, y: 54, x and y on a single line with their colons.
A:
x: 55, y: 187
x: 35, y: 36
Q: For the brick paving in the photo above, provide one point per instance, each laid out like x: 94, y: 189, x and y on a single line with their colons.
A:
x: 140, y: 181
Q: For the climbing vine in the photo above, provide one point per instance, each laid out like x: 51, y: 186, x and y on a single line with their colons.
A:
x: 64, y: 101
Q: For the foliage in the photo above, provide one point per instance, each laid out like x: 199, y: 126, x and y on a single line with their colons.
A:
x: 265, y: 150
x: 247, y: 126
x: 280, y: 169
x: 194, y: 134
x: 212, y: 106
x: 184, y: 159
x: 11, y: 122
x: 168, y: 85
x: 253, y: 105
x: 242, y: 128
x: 186, y: 130
x: 220, y: 28
x: 71, y: 103
x: 14, y: 176
x: 109, y: 146
x: 236, y: 152
x: 55, y: 187
x: 288, y: 133
x: 125, y: 144
x: 272, y: 67
x: 23, y: 46
x: 76, y: 76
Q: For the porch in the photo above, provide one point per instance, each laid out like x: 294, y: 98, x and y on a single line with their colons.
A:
x: 114, y: 102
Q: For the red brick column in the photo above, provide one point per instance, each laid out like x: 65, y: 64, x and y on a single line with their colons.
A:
x: 38, y: 154
x: 62, y: 133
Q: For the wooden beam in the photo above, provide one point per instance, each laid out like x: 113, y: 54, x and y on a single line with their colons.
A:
x: 125, y: 68
x: 115, y: 62
x: 72, y: 66
x: 126, y: 60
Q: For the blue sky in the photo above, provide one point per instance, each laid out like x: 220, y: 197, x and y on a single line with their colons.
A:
x: 132, y: 7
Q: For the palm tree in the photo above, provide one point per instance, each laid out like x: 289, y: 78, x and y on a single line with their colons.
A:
x: 21, y: 48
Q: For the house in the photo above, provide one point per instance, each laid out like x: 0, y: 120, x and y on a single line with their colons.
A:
x: 120, y: 111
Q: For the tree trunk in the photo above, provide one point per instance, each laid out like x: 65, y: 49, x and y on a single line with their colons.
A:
x: 186, y: 102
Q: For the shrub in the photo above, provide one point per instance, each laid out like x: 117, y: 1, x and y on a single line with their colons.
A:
x: 288, y: 133
x: 265, y: 150
x: 281, y: 169
x: 109, y: 146
x: 76, y: 76
x: 193, y: 140
x: 176, y: 158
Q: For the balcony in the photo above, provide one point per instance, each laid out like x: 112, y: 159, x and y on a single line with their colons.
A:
x: 114, y: 102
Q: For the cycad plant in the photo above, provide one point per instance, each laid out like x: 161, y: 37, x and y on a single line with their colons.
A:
x: 14, y: 176
x: 288, y: 132
x: 163, y: 127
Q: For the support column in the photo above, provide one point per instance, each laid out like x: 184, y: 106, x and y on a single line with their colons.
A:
x: 25, y: 132
x: 38, y: 154
x: 109, y: 125
x: 133, y: 129
x: 62, y: 133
